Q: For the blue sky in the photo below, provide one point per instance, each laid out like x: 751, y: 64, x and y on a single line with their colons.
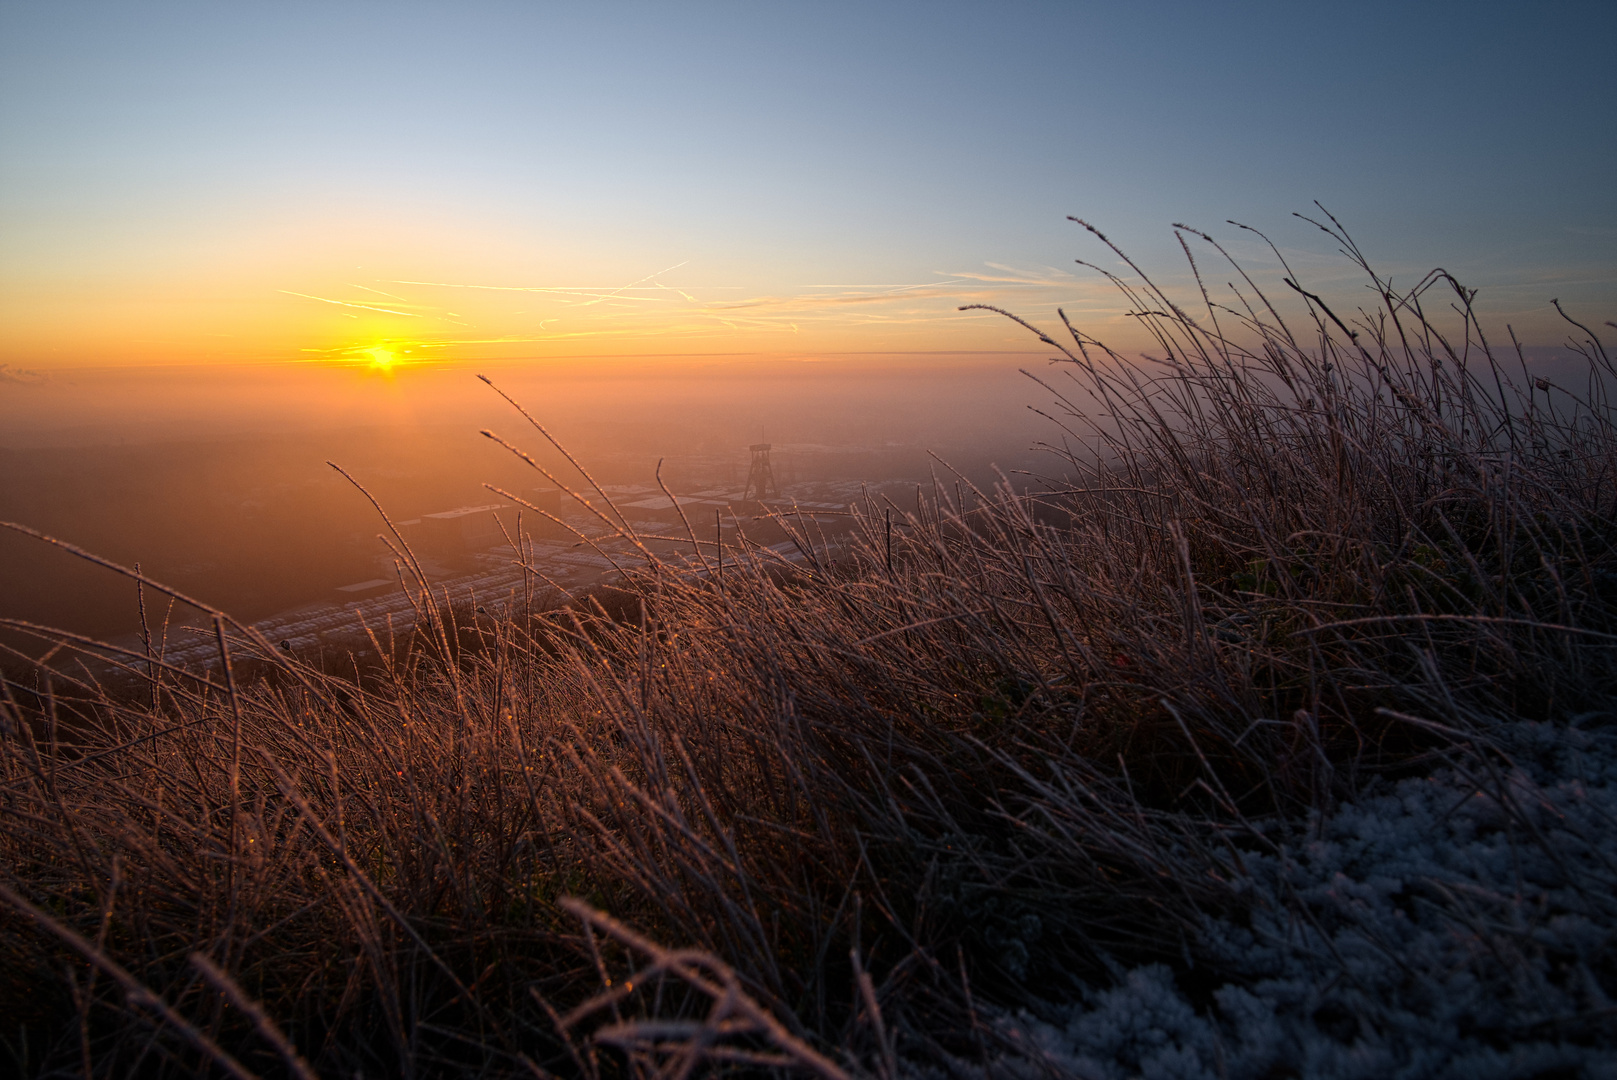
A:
x: 211, y: 182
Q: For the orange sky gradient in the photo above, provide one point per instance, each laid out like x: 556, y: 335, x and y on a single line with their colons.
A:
x: 200, y: 184
x: 339, y: 293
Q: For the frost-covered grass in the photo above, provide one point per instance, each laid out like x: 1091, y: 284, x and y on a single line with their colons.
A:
x: 1271, y: 734
x: 1457, y: 923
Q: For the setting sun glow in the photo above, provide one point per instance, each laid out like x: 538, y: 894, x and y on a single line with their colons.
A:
x: 384, y: 357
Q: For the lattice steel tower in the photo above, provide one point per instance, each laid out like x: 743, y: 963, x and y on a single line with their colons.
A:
x: 761, y: 478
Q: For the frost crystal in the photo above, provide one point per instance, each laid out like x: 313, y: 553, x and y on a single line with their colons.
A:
x: 1459, y: 924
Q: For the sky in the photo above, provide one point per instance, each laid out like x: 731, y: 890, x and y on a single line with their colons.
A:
x: 574, y: 184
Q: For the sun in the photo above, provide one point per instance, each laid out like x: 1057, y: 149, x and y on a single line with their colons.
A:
x: 384, y: 357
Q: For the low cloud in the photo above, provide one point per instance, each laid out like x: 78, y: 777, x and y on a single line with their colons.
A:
x: 22, y: 376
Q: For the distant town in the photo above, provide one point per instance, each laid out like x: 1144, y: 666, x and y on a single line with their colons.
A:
x: 550, y: 546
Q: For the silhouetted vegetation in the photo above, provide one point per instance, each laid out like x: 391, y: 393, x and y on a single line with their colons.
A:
x: 887, y: 810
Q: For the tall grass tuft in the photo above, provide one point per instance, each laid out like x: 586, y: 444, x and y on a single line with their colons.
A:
x: 967, y: 794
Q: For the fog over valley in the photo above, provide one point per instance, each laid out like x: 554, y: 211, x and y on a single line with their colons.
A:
x: 217, y: 483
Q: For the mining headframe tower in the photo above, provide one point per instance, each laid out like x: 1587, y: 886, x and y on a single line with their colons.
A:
x: 761, y: 477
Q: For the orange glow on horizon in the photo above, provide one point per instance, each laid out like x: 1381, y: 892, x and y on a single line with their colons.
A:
x: 385, y: 356
x: 268, y: 304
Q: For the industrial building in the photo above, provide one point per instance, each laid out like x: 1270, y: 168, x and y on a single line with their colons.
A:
x: 457, y: 532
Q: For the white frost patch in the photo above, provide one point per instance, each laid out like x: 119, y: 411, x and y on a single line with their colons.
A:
x: 1458, y: 925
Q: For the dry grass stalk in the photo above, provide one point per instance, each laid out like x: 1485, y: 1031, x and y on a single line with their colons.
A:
x: 1040, y: 735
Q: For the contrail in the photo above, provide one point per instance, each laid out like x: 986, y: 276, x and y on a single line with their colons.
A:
x: 344, y: 303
